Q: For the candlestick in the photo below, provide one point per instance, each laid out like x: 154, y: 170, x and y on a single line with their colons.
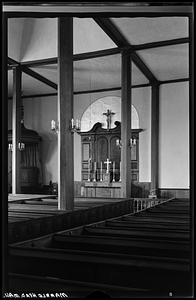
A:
x: 101, y: 172
x: 113, y: 171
x: 120, y: 172
x: 89, y: 170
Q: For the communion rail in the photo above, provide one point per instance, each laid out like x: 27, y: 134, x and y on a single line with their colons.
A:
x: 140, y: 204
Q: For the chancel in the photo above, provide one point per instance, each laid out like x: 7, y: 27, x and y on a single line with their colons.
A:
x: 97, y: 99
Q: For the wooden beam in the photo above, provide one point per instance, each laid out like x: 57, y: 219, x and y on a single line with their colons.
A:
x: 16, y: 130
x: 32, y: 73
x: 135, y: 86
x: 173, y: 80
x: 154, y: 139
x: 76, y: 57
x: 191, y: 144
x: 4, y: 158
x: 117, y: 37
x: 160, y: 44
x: 65, y: 114
x: 126, y: 125
x: 39, y: 77
x: 115, y: 14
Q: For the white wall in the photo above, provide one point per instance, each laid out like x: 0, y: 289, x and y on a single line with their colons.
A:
x: 173, y: 142
x: 174, y: 136
x: 38, y: 113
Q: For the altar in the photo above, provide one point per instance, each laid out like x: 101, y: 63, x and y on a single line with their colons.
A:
x: 101, y: 160
x: 101, y: 189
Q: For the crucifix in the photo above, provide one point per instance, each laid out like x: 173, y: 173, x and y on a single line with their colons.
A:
x: 107, y: 162
x: 108, y: 114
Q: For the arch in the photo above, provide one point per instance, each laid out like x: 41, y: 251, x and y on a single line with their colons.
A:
x: 94, y: 113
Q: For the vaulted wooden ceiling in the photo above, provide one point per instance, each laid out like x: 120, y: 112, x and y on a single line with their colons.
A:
x: 159, y: 46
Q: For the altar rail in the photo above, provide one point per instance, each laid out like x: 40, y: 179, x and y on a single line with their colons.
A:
x: 143, y: 204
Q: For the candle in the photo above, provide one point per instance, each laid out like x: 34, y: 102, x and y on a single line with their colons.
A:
x: 72, y: 123
x: 95, y: 165
x: 114, y: 167
x: 77, y: 124
x: 52, y: 124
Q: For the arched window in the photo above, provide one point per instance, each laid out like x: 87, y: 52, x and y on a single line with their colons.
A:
x: 94, y: 113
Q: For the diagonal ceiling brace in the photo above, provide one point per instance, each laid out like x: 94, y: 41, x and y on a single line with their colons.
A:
x: 33, y: 73
x: 117, y: 37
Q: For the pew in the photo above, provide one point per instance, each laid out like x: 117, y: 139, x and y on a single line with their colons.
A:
x: 22, y: 283
x: 147, y: 252
x: 101, y: 267
x: 118, y: 245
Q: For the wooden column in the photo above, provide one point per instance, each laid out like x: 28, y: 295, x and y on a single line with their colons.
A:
x: 154, y: 139
x: 126, y: 125
x: 4, y: 156
x: 16, y: 130
x: 65, y: 114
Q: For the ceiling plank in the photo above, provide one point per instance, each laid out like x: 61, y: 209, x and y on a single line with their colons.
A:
x: 117, y: 37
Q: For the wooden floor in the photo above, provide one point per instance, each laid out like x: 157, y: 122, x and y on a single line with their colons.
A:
x: 36, y: 215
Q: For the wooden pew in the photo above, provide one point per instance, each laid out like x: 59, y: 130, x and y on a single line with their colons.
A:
x: 118, y: 252
x: 22, y: 283
x: 148, y: 226
x: 101, y: 267
x: 118, y: 245
x: 110, y: 231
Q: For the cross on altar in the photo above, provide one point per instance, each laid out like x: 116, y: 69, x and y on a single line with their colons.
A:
x: 107, y: 162
x: 108, y: 114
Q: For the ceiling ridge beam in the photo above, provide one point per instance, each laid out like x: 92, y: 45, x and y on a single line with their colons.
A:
x: 117, y: 37
x: 33, y: 74
x: 160, y: 44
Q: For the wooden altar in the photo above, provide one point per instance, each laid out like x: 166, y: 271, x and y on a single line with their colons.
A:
x: 101, y: 157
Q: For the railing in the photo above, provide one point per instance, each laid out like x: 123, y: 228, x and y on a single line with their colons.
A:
x: 143, y: 204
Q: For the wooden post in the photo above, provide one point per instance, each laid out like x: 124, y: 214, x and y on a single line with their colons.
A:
x: 154, y: 140
x: 65, y: 114
x: 16, y: 131
x: 4, y: 153
x: 126, y: 126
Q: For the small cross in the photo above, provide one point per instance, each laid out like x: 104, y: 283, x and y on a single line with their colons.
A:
x: 108, y: 114
x: 107, y: 162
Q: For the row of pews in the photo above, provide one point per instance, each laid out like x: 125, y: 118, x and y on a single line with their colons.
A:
x: 30, y: 216
x: 144, y: 254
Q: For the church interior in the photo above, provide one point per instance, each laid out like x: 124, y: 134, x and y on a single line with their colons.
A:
x: 97, y: 163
